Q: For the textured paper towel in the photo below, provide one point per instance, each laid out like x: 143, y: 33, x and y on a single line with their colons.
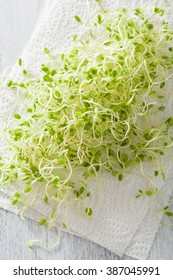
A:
x: 117, y: 221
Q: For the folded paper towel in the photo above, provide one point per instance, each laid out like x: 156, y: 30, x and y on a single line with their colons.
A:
x: 120, y: 221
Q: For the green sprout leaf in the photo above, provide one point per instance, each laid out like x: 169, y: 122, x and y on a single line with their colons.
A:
x: 42, y: 222
x: 14, y: 202
x: 46, y: 51
x: 27, y: 189
x: 20, y: 62
x: 10, y: 83
x: 169, y: 214
x: 77, y: 18
x: 89, y: 211
x: 99, y: 19
x: 17, y: 116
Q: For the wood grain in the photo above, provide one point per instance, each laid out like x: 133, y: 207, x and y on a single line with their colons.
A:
x: 17, y: 21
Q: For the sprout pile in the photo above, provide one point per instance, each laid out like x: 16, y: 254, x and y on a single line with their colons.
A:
x: 97, y: 108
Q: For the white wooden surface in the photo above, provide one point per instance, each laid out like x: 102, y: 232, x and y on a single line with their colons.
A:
x: 17, y: 21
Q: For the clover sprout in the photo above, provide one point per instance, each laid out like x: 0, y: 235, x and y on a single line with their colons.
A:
x: 93, y: 109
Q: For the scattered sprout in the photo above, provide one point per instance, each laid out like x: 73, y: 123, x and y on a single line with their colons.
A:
x: 147, y: 192
x: 32, y: 243
x: 167, y: 213
x: 16, y: 198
